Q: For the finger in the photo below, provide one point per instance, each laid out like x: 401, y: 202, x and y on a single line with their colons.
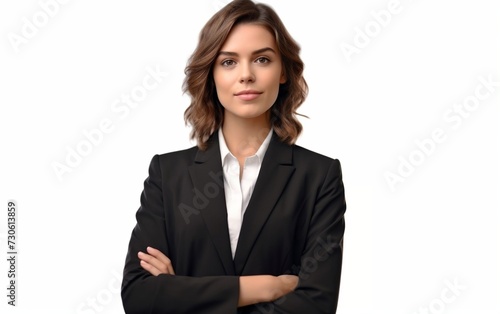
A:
x: 153, y: 261
x: 162, y: 257
x: 151, y: 269
x: 158, y: 254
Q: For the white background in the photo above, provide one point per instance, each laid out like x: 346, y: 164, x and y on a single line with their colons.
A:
x: 405, y: 242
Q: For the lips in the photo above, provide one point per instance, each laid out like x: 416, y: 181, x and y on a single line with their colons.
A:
x: 248, y: 94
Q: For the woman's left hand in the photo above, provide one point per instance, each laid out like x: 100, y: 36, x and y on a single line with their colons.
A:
x: 155, y: 262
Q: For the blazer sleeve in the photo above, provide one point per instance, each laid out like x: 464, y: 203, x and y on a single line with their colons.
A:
x: 144, y: 293
x: 321, y: 261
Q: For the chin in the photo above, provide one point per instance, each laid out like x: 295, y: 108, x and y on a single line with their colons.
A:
x: 248, y: 113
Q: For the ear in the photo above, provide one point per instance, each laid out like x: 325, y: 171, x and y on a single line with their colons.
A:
x: 283, y: 78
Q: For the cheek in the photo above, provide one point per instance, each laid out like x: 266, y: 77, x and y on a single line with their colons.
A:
x: 274, y: 83
x: 222, y: 82
x: 273, y: 78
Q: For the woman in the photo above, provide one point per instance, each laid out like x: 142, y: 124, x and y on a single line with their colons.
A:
x: 246, y: 221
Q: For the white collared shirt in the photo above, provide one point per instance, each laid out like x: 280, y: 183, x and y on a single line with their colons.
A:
x: 238, y: 192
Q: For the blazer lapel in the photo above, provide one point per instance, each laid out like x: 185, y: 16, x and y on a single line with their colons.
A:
x: 206, y: 174
x: 274, y: 174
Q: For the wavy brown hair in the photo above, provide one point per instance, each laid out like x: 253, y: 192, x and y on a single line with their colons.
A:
x: 205, y: 113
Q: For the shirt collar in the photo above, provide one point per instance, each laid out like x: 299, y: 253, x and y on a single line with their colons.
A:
x: 224, y: 150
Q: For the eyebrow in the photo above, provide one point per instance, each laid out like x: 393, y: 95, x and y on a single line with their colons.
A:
x: 230, y: 53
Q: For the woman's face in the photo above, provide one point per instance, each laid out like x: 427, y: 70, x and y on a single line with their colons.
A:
x: 248, y: 72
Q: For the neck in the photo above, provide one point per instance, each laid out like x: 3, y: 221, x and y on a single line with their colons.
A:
x: 244, y: 136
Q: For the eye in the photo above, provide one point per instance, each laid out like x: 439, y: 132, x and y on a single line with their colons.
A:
x: 262, y: 60
x: 227, y: 63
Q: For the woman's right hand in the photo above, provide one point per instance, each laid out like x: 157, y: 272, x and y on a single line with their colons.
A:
x: 265, y: 288
x: 286, y: 284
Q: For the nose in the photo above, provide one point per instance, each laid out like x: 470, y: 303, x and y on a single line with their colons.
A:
x: 246, y: 75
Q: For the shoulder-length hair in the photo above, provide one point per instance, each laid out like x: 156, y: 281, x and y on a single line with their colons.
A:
x: 205, y: 113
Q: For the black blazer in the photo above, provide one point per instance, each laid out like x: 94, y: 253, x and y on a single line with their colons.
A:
x: 294, y: 224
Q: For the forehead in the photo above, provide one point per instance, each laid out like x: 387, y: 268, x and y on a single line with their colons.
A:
x: 249, y: 37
